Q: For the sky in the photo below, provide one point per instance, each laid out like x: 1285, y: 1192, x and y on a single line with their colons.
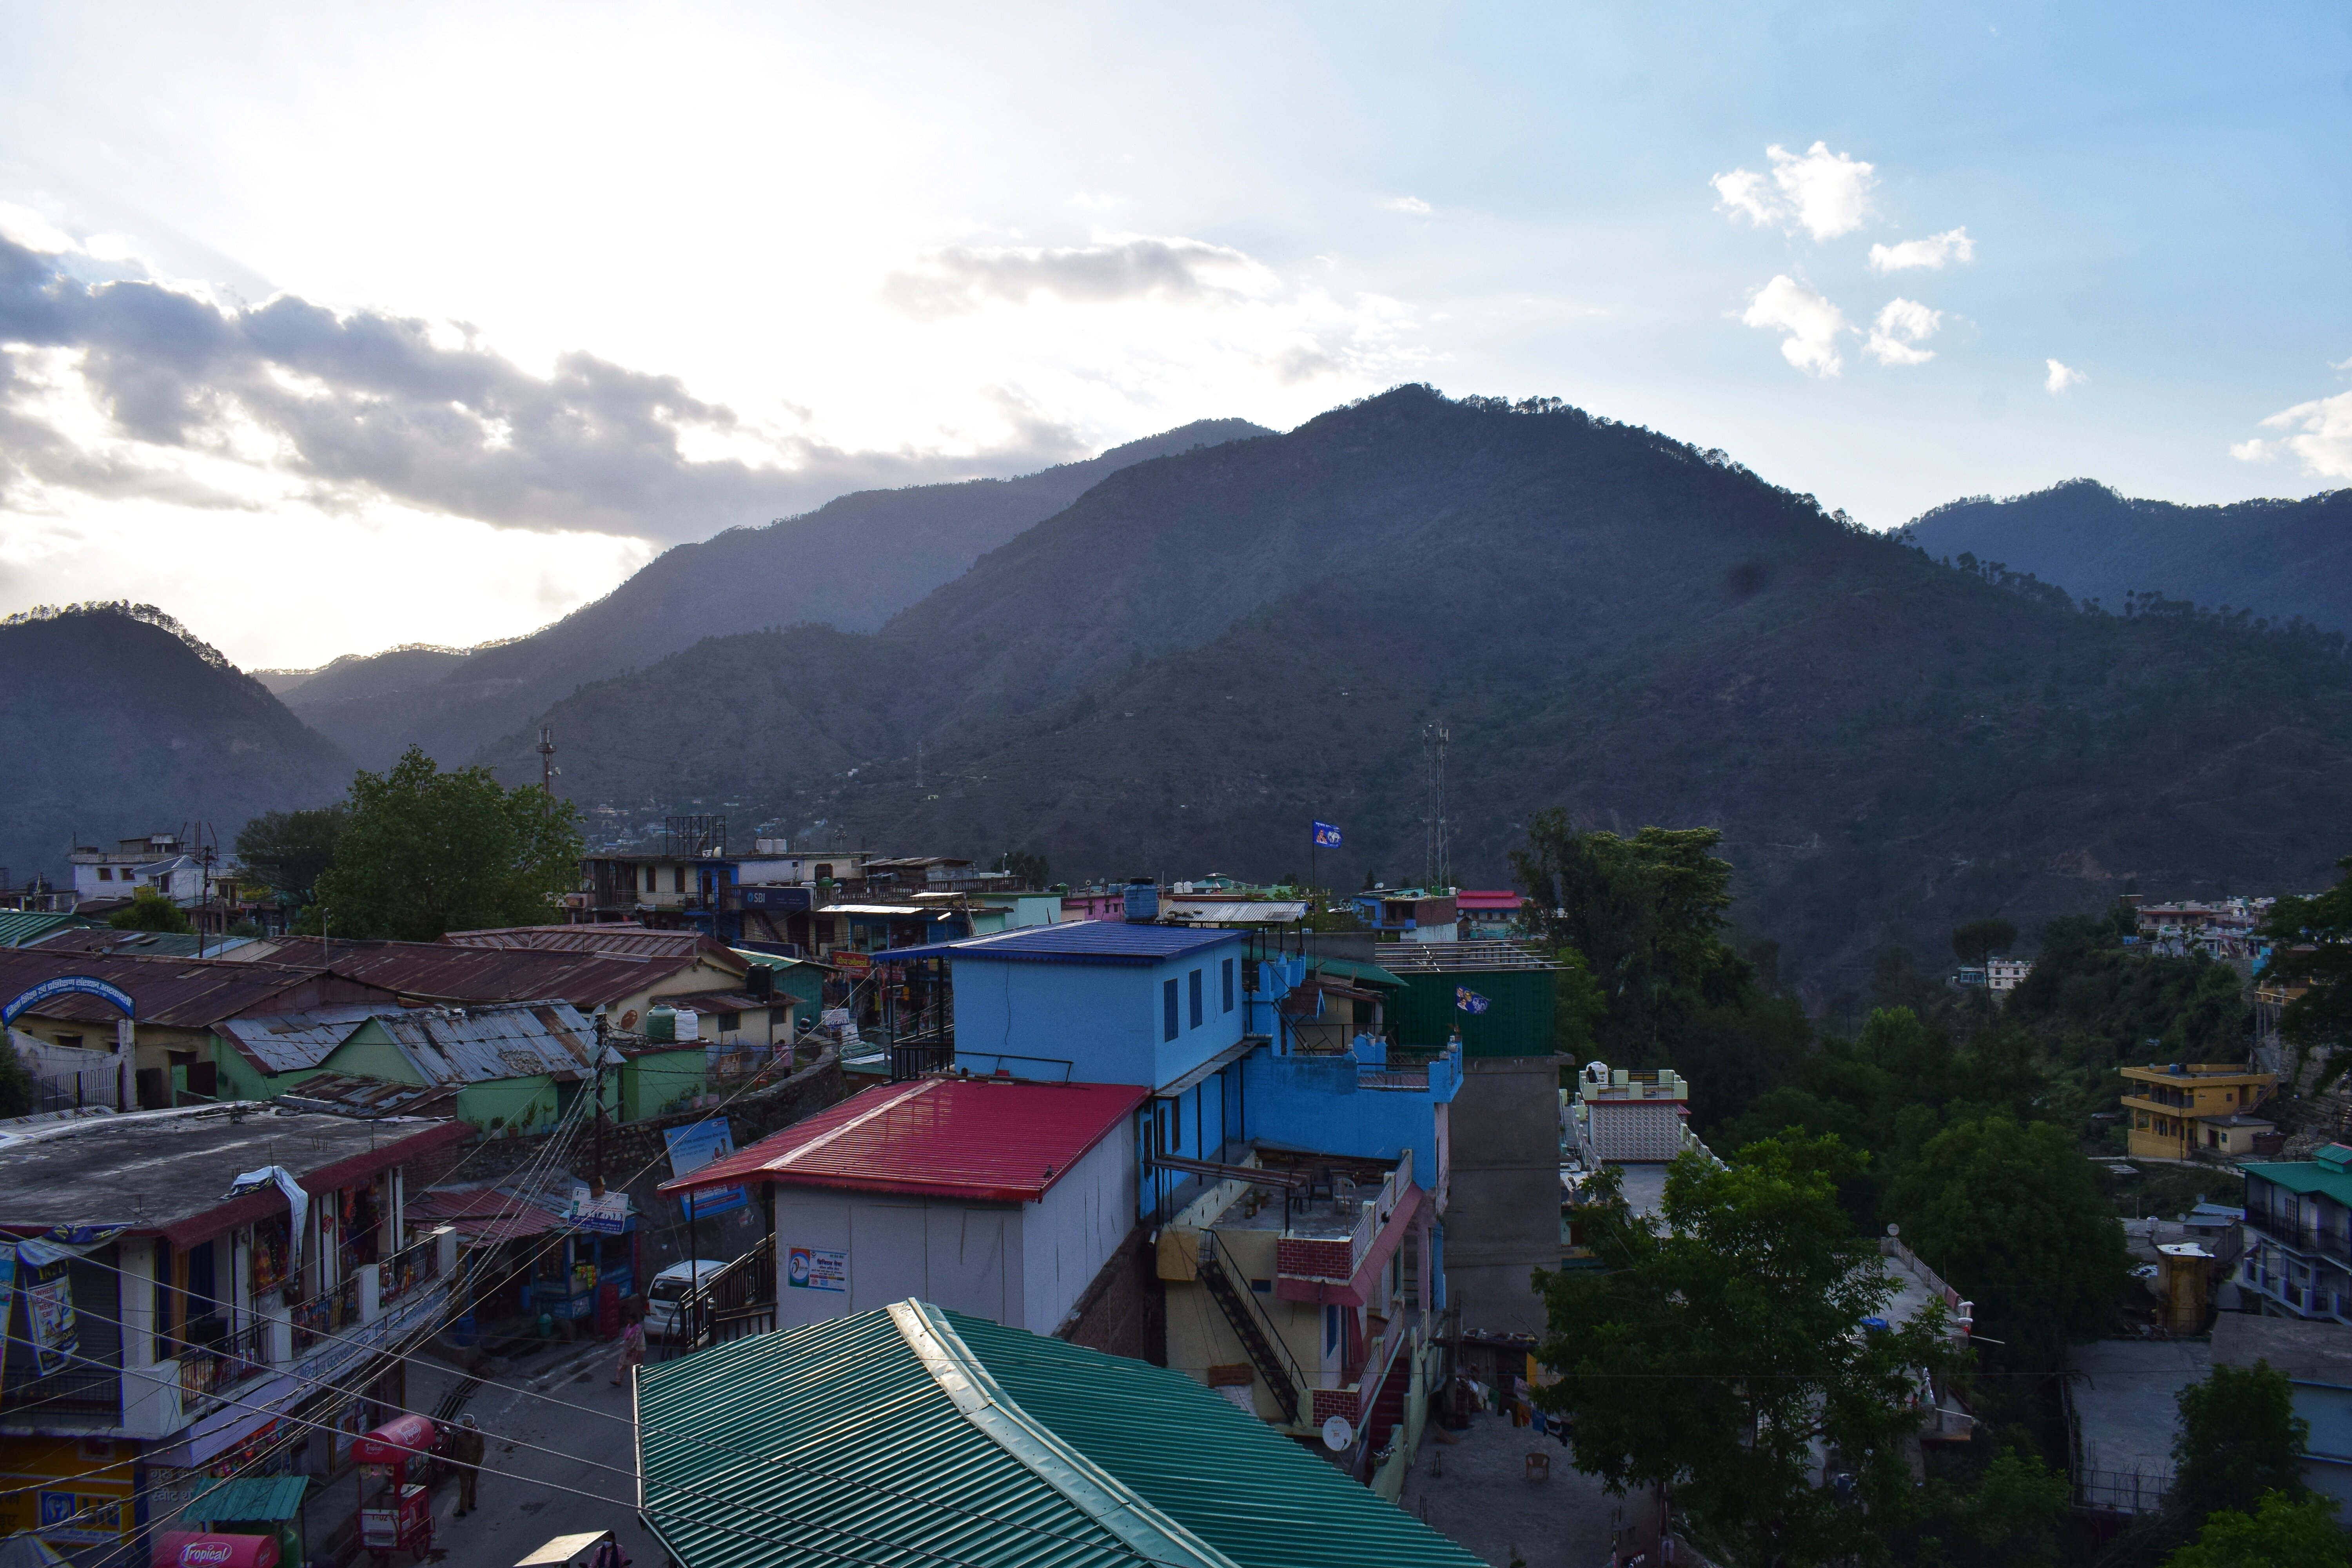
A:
x: 331, y: 329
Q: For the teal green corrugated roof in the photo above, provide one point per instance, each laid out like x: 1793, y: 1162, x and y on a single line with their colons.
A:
x: 1356, y: 969
x: 834, y: 1445
x: 830, y: 1446
x: 18, y: 927
x: 1239, y: 1485
x: 2306, y: 1176
x: 256, y: 1500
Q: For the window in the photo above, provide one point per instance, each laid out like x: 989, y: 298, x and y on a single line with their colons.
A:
x: 1176, y: 1126
x: 1331, y: 1329
x: 1168, y: 1010
x: 650, y: 884
x: 1195, y: 988
x: 678, y: 879
x: 1229, y: 984
x: 104, y: 875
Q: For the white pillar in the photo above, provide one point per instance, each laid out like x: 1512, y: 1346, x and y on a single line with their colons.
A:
x: 136, y: 1257
x: 371, y: 1276
x: 445, y: 1252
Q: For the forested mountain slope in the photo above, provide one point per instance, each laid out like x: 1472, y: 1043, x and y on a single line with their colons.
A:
x: 117, y: 722
x: 2280, y: 559
x: 853, y: 564
x: 1206, y: 651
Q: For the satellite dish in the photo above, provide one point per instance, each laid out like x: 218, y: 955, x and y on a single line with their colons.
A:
x: 1894, y: 1229
x: 1338, y: 1433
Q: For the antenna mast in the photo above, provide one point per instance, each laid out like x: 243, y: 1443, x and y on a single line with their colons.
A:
x: 547, y: 760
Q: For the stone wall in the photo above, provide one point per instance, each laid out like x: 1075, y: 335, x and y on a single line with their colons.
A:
x: 1125, y: 1311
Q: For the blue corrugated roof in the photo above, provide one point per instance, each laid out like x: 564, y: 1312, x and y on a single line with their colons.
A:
x: 1073, y: 942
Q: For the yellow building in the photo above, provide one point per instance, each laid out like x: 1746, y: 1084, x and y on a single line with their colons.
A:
x: 2181, y: 1107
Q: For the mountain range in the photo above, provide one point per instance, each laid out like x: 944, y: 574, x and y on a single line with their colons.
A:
x: 1171, y: 659
x: 2280, y: 559
x: 852, y: 563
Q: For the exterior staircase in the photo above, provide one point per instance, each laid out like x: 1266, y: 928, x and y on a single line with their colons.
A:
x: 1266, y: 1352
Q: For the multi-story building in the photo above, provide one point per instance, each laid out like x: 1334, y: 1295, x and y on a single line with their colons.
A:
x: 2186, y: 1107
x: 2001, y: 974
x: 2298, y: 1236
x: 212, y: 1320
x: 1410, y: 914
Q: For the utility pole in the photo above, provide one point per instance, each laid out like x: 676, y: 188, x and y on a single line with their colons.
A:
x: 596, y: 1181
x: 547, y: 760
x: 1437, y: 867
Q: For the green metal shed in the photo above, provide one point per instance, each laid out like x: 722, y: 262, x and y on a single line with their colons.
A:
x: 1500, y: 996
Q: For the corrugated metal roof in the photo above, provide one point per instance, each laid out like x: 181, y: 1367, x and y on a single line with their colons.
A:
x: 176, y: 993
x: 982, y: 1138
x: 248, y: 1497
x: 830, y: 1445
x: 623, y: 938
x: 835, y: 1441
x: 1449, y: 957
x: 1075, y: 941
x: 290, y: 1042
x: 143, y: 944
x: 1357, y: 970
x: 448, y: 972
x: 20, y: 926
x: 1243, y: 912
x: 481, y: 1045
x: 352, y: 1096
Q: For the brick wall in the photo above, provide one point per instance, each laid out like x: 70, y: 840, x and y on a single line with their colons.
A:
x: 1124, y: 1311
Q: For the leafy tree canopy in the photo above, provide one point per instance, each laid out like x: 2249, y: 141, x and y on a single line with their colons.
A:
x: 1719, y: 1341
x: 2280, y: 1533
x: 16, y: 1083
x: 2238, y: 1438
x: 2014, y: 1218
x: 289, y: 850
x: 149, y: 911
x: 1027, y: 865
x: 426, y: 852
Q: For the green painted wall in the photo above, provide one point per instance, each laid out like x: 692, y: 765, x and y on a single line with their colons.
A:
x: 650, y: 1083
x: 1518, y: 1024
x: 371, y: 1052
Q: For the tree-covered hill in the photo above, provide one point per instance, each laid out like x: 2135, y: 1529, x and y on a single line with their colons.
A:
x: 853, y: 564
x: 1206, y: 651
x: 2280, y: 559
x: 118, y: 722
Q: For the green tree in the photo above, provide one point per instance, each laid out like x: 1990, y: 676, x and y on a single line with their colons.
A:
x: 2280, y: 1533
x: 2312, y: 946
x: 290, y: 850
x: 427, y: 852
x: 1027, y: 865
x: 2013, y: 1216
x: 1720, y: 1341
x: 1976, y: 941
x: 16, y: 1083
x: 1578, y: 1007
x: 2238, y: 1438
x: 149, y: 911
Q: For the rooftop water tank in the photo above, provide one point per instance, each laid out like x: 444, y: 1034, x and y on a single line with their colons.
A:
x: 1142, y: 900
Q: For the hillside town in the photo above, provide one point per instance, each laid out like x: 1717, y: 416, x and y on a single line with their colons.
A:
x: 735, y: 1147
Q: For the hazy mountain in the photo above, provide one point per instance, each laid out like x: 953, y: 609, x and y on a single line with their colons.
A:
x: 118, y: 722
x: 2278, y: 558
x: 853, y: 564
x: 1204, y: 652
x: 358, y: 676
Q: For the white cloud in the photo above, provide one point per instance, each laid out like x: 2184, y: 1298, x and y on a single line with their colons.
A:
x: 958, y: 277
x: 33, y: 232
x: 2061, y: 376
x: 1813, y: 325
x: 2322, y: 438
x: 1902, y: 326
x: 1953, y: 244
x: 1413, y: 204
x: 1826, y: 193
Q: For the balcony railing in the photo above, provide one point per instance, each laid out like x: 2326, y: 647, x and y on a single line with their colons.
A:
x: 411, y: 1269
x: 2301, y: 1238
x: 1319, y: 1259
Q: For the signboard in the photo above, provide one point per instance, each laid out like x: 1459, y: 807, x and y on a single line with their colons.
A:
x: 607, y: 1215
x: 690, y: 1149
x: 74, y: 1494
x: 850, y: 963
x: 1327, y: 836
x: 50, y: 1315
x: 785, y: 900
x: 817, y: 1268
x: 79, y: 1519
x: 67, y: 986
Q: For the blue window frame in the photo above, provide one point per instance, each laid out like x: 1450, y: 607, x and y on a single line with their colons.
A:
x: 1229, y: 984
x: 1168, y: 1010
x: 1195, y: 988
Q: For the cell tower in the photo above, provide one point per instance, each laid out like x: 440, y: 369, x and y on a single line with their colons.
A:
x: 1437, y: 859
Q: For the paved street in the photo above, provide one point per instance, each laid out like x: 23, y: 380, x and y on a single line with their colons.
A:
x: 515, y: 1515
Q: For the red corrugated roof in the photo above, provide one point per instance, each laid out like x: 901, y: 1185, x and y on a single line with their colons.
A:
x: 984, y: 1138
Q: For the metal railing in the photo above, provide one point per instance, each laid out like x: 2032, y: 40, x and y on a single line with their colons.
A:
x: 325, y: 1315
x: 729, y: 1302
x: 412, y: 1268
x: 2123, y: 1491
x: 215, y: 1366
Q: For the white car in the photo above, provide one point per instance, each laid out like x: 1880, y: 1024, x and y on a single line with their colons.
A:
x: 668, y: 1289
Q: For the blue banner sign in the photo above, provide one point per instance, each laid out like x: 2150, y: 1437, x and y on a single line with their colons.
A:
x: 65, y: 985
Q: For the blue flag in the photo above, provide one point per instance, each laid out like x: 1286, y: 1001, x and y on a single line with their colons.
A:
x: 1469, y: 1000
x: 1326, y: 836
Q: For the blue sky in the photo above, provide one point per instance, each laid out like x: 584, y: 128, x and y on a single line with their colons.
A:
x: 304, y: 298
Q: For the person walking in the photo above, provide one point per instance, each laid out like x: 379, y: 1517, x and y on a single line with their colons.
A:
x: 633, y: 1350
x: 466, y: 1458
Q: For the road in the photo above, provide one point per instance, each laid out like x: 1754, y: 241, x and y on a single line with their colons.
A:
x: 550, y: 1452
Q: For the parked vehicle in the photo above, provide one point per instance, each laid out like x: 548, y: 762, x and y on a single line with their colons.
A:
x: 670, y: 1288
